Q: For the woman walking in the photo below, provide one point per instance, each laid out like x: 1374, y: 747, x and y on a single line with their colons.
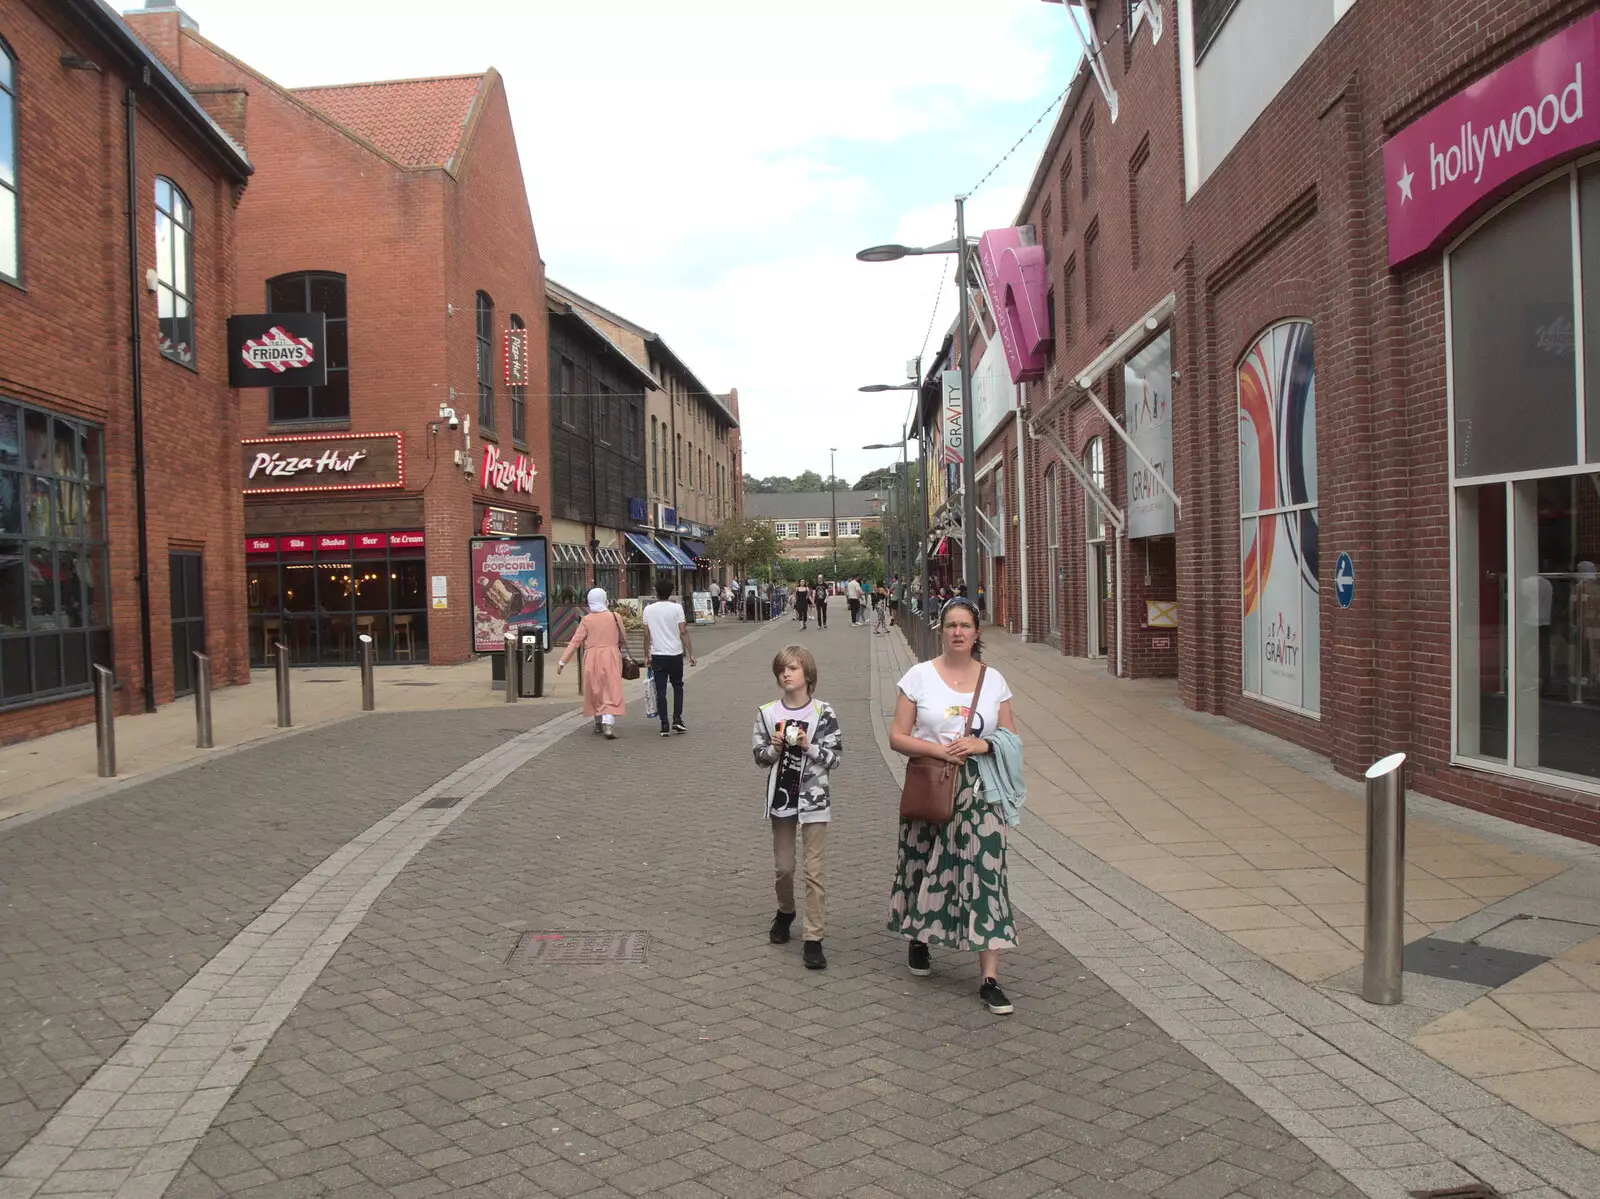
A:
x: 600, y: 633
x: 950, y: 883
x: 802, y: 603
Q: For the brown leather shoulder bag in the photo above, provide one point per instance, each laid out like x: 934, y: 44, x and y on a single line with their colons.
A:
x: 929, y: 792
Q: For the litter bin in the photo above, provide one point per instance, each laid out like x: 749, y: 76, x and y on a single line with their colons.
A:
x: 534, y: 643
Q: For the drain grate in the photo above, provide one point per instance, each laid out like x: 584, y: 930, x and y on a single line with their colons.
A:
x: 580, y: 949
x: 415, y: 683
x: 443, y: 801
x: 1474, y: 1190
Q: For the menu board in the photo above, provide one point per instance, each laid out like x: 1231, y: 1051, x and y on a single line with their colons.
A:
x: 702, y: 607
x: 509, y: 587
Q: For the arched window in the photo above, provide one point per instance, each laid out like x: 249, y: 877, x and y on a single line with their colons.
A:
x: 10, y: 225
x: 174, y: 272
x: 1094, y: 464
x: 324, y: 292
x: 519, y: 397
x: 1052, y: 548
x: 485, y: 361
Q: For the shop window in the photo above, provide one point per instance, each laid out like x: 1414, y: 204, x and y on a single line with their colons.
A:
x: 519, y: 400
x: 174, y: 273
x: 570, y: 586
x: 324, y: 292
x: 1511, y: 305
x: 1278, y: 524
x: 10, y: 223
x: 55, y: 617
x: 1527, y: 484
x: 485, y: 307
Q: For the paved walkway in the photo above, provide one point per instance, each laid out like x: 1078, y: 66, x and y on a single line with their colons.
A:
x: 49, y: 771
x: 312, y: 968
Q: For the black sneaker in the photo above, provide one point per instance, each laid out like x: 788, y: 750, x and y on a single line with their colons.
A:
x: 994, y: 998
x: 597, y: 725
x: 812, y: 956
x: 679, y: 727
x: 666, y: 732
x: 918, y: 960
x: 778, y: 934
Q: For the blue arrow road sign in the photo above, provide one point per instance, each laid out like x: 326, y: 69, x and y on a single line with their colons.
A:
x: 1344, y: 580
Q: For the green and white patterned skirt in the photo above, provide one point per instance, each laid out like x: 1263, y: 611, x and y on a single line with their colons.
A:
x: 950, y: 883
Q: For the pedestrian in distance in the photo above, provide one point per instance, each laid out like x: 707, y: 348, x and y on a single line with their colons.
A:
x: 796, y: 739
x: 820, y: 598
x: 897, y: 596
x: 950, y: 881
x: 666, y: 642
x: 852, y: 597
x: 880, y: 608
x: 802, y: 603
x: 600, y: 635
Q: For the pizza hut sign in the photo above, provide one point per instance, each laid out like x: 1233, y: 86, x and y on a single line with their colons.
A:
x: 322, y: 462
x: 277, y: 349
x: 501, y: 474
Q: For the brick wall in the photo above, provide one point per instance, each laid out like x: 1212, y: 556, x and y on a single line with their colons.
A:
x: 64, y: 343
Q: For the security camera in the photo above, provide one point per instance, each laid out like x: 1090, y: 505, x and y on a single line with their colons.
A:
x: 448, y: 415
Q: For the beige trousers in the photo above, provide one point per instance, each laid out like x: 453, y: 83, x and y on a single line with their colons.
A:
x: 815, y: 836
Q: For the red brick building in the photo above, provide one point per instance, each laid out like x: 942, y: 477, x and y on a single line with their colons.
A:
x: 397, y: 209
x: 1386, y: 279
x: 93, y: 128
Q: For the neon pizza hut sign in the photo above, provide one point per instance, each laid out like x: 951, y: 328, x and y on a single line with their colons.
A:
x: 322, y: 462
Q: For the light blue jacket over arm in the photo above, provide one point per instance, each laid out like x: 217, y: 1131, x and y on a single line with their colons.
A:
x: 1001, y: 772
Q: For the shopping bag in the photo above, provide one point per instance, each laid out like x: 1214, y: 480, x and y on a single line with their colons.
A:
x: 650, y: 695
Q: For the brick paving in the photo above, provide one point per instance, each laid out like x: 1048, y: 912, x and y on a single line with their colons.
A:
x: 420, y: 1063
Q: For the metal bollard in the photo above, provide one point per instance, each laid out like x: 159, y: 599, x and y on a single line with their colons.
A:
x: 369, y: 700
x: 105, y: 729
x: 283, y: 685
x: 202, y: 700
x: 1382, y: 970
x: 513, y: 668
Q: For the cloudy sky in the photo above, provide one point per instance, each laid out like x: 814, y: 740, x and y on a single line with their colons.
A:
x: 708, y: 168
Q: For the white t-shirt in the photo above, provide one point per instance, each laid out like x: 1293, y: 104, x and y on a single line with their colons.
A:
x: 852, y: 590
x: 942, y: 713
x: 662, y: 618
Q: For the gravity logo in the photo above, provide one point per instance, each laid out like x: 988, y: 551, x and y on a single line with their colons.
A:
x: 1281, y: 644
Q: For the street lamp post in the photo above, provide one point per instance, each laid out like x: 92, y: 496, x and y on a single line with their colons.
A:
x: 961, y: 247
x: 915, y: 431
x: 833, y: 506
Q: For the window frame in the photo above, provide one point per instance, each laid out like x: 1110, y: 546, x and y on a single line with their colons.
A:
x: 10, y: 102
x: 483, y: 332
x: 1516, y: 485
x: 307, y: 279
x: 166, y: 270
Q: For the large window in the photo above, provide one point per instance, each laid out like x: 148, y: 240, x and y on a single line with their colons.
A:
x: 10, y: 225
x: 1525, y: 463
x: 55, y: 618
x: 174, y: 273
x: 816, y: 529
x: 519, y: 397
x: 849, y: 528
x: 485, y: 361
x: 1278, y: 519
x: 786, y: 530
x: 655, y: 466
x: 324, y: 292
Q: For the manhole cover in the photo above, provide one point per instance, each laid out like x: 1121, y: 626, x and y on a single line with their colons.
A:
x: 443, y: 801
x: 580, y: 949
x: 1478, y: 964
x: 1476, y: 1190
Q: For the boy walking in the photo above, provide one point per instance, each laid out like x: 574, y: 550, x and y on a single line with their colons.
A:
x: 796, y: 738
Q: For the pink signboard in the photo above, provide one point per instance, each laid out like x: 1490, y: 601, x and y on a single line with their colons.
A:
x: 333, y: 541
x: 294, y: 545
x: 260, y: 545
x: 1014, y: 275
x: 371, y: 541
x: 1444, y: 168
x: 405, y: 540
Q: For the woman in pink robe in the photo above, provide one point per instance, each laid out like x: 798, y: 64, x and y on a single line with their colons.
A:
x: 600, y: 633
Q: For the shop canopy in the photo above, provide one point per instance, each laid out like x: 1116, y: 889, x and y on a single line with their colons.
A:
x: 652, y: 552
x: 695, y: 549
x: 608, y: 555
x: 679, y: 558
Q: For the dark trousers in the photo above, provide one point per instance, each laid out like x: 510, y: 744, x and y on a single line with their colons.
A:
x: 665, y: 668
x: 822, y: 615
x: 855, y: 611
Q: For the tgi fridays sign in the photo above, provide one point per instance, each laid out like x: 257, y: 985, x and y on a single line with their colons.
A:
x: 323, y: 462
x: 1444, y: 168
x: 277, y: 349
x: 504, y: 474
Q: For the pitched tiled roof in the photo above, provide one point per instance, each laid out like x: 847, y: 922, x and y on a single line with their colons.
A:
x: 417, y: 122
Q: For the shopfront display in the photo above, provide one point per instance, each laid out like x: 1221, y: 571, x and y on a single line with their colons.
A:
x: 510, y: 588
x: 1525, y: 457
x: 318, y: 593
x: 55, y: 613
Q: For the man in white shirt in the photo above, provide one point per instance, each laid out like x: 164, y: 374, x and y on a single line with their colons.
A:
x: 666, y: 640
x: 852, y: 595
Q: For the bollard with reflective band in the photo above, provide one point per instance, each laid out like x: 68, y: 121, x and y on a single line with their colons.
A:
x: 105, y: 728
x: 1382, y: 970
x: 202, y: 700
x: 369, y: 699
x: 283, y: 685
x: 513, y: 668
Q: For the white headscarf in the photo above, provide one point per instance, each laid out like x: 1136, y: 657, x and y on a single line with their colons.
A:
x: 597, y: 599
